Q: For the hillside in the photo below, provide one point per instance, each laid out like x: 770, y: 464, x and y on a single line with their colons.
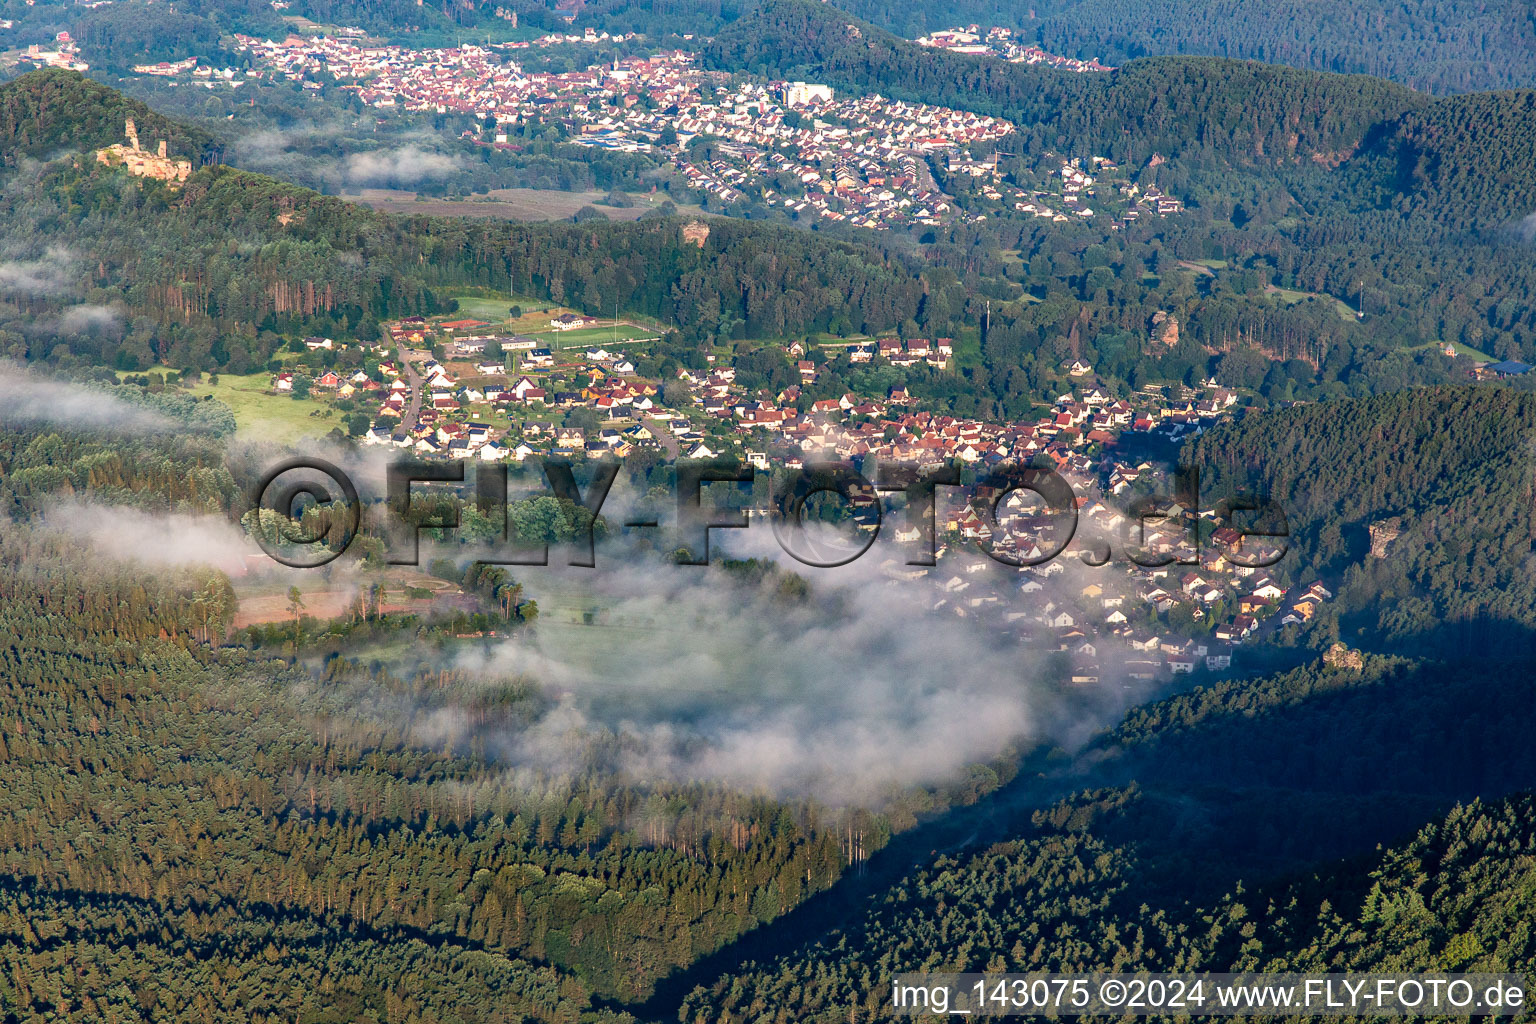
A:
x: 1454, y: 897
x: 1468, y: 162
x: 43, y: 112
x: 1204, y: 110
x: 1459, y: 895
x: 1451, y: 464
x: 1207, y: 110
x: 1223, y: 853
x: 1440, y: 46
x: 230, y: 257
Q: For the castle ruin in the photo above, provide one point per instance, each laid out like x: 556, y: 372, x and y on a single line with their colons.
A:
x: 135, y: 160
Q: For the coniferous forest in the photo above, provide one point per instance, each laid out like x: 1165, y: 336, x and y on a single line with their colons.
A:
x: 229, y: 797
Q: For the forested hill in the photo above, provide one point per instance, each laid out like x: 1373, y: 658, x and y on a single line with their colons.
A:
x: 45, y: 111
x: 1452, y: 466
x: 804, y: 38
x: 1455, y: 897
x: 1468, y: 162
x: 1206, y: 110
x: 1437, y: 45
x: 214, y: 270
x: 1206, y: 835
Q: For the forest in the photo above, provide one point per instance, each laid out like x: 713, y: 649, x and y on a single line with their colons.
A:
x: 1203, y: 111
x: 269, y: 822
x: 1440, y: 46
x: 1451, y: 465
x: 218, y: 267
x: 1160, y: 858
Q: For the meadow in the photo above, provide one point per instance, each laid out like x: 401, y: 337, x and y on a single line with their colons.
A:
x: 261, y: 415
x: 529, y: 204
x: 497, y: 307
x: 584, y: 336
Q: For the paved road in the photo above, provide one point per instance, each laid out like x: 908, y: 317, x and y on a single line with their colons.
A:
x: 925, y: 178
x: 408, y: 421
x: 663, y: 432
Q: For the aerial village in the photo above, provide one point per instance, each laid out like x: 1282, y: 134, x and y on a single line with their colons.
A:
x: 456, y: 387
x: 798, y: 147
x: 1000, y: 43
x: 788, y: 144
x: 65, y: 54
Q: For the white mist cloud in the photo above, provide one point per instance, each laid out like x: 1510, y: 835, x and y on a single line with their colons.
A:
x: 401, y: 166
x: 301, y: 153
x: 1526, y: 228
x: 158, y: 540
x: 263, y: 146
x: 86, y: 317
x: 49, y: 275
x: 28, y: 398
x: 861, y: 691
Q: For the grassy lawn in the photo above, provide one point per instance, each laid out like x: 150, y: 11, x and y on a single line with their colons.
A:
x: 526, y: 204
x: 1471, y: 353
x: 1012, y: 258
x: 259, y: 414
x: 1461, y: 350
x: 584, y: 336
x: 1290, y: 297
x: 649, y: 323
x: 495, y: 307
x: 489, y: 415
x: 968, y: 349
x: 824, y: 338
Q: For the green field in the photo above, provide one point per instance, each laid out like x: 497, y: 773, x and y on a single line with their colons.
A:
x: 1471, y: 353
x: 536, y: 316
x: 1476, y: 355
x: 825, y: 338
x: 495, y: 307
x: 968, y: 349
x: 522, y: 204
x: 584, y: 336
x: 261, y: 415
x: 1290, y: 297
